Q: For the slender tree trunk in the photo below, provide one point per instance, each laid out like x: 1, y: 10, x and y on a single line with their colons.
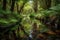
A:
x: 12, y: 5
x: 14, y: 35
x: 57, y: 2
x: 35, y: 6
x: 48, y: 3
x: 0, y: 1
x: 45, y: 4
x: 21, y: 8
x: 34, y: 29
x: 18, y: 31
x: 17, y: 7
x: 4, y: 4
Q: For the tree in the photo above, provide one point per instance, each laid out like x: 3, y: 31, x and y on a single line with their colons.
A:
x: 45, y: 4
x: 35, y: 7
x: 4, y: 4
x: 12, y: 5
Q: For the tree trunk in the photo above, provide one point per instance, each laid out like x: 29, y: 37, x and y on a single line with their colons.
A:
x: 21, y: 8
x: 35, y: 6
x: 55, y: 2
x: 35, y: 31
x: 12, y: 5
x: 4, y: 4
x: 17, y: 5
x: 45, y: 4
x: 14, y: 35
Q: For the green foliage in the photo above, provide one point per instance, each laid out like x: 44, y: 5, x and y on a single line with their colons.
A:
x: 53, y: 11
x: 28, y: 18
x: 56, y: 8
